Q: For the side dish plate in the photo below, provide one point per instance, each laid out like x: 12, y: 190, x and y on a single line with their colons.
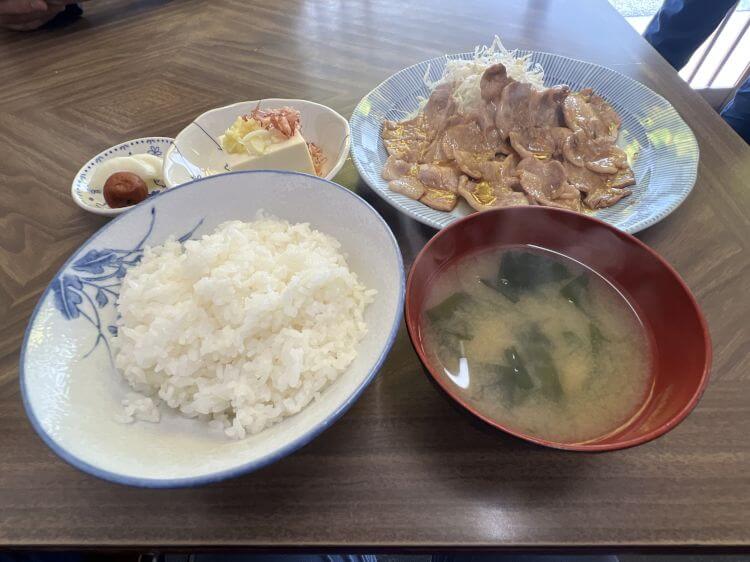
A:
x: 661, y: 148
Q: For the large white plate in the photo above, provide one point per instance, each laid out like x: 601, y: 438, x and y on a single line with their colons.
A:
x: 661, y: 147
x: 72, y: 391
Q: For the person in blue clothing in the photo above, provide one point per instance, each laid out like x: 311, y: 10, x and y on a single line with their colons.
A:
x: 679, y: 28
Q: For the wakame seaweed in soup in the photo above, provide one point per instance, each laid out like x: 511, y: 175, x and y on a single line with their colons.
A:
x: 539, y: 343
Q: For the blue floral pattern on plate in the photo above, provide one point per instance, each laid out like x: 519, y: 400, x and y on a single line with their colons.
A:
x: 93, y: 282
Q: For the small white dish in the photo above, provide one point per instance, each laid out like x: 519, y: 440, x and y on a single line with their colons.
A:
x: 90, y: 198
x: 196, y: 152
x: 72, y: 392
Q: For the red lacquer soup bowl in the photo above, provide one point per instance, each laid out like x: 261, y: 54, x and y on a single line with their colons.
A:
x: 681, y: 347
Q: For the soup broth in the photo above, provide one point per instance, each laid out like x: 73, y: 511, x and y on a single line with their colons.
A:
x: 539, y: 343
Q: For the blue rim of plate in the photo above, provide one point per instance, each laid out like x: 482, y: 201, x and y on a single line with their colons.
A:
x: 244, y: 468
x: 665, y: 149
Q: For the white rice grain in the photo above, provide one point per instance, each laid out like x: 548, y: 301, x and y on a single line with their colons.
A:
x: 243, y: 327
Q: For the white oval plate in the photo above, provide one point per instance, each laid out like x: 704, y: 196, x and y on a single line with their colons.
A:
x: 661, y: 147
x: 196, y: 151
x: 72, y: 391
x: 90, y: 198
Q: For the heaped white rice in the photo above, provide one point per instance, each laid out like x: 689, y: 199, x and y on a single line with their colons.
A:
x: 245, y: 326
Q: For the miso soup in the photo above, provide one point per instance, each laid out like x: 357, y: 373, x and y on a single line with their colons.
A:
x: 539, y: 343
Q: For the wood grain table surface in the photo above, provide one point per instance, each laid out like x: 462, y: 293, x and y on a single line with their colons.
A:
x: 402, y: 468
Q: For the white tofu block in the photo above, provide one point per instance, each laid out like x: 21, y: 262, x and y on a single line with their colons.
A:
x: 291, y: 154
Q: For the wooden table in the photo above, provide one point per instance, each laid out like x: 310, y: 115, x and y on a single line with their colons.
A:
x: 402, y: 468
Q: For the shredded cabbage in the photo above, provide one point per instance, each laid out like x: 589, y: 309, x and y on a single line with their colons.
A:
x: 467, y: 73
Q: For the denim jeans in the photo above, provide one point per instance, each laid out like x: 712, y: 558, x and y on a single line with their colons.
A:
x: 679, y: 28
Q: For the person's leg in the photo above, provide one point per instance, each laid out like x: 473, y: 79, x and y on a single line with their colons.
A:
x: 681, y: 26
x: 737, y: 111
